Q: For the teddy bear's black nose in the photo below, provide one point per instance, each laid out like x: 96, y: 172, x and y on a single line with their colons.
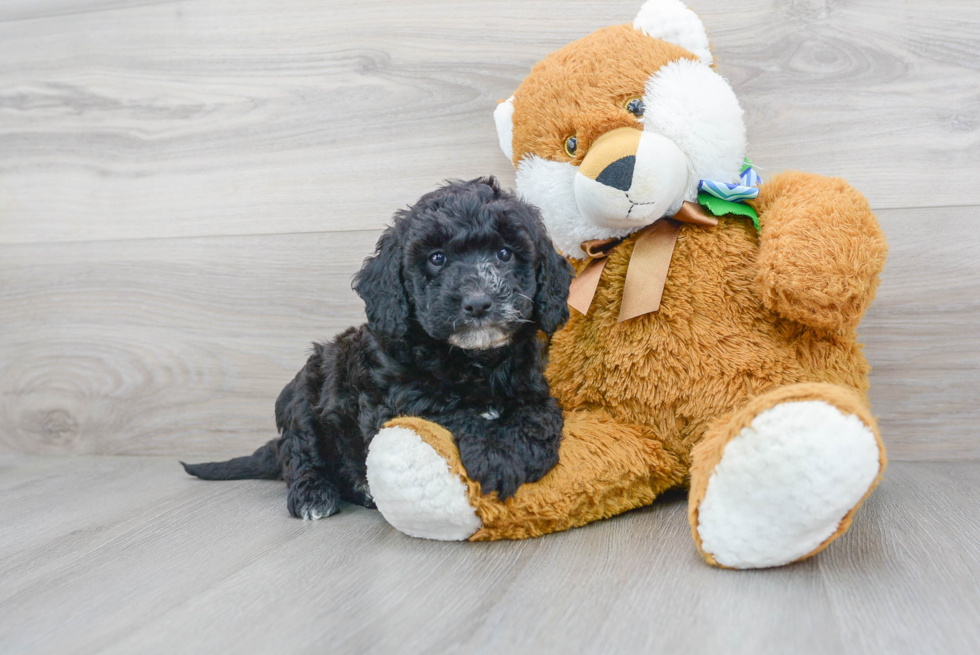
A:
x: 619, y: 174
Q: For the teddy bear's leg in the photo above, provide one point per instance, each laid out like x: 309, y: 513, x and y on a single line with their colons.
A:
x: 605, y: 468
x: 780, y: 479
x: 417, y: 481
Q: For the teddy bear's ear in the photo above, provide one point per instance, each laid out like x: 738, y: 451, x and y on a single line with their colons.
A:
x: 503, y: 116
x: 672, y: 21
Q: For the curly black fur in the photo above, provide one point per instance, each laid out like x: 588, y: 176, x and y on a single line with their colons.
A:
x: 455, y: 295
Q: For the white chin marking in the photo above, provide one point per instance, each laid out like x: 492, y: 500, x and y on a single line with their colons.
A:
x: 483, y: 338
x: 415, y: 490
x: 784, y: 484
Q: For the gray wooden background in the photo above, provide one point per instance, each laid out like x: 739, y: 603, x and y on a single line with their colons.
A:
x: 186, y: 188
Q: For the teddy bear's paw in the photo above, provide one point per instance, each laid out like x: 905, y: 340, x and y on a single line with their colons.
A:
x: 415, y: 490
x: 785, y: 483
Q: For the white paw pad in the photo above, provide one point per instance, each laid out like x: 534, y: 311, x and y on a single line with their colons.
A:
x: 784, y: 483
x: 415, y: 490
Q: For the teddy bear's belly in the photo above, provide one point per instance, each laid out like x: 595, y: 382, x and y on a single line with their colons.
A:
x: 676, y: 372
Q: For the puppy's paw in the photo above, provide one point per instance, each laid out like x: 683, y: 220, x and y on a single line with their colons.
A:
x: 495, y: 471
x: 311, y: 497
x: 361, y: 494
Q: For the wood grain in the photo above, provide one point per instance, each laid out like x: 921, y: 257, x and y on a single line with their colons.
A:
x: 164, y: 346
x: 180, y: 346
x: 127, y: 119
x: 128, y: 555
x: 186, y: 188
x: 921, y: 338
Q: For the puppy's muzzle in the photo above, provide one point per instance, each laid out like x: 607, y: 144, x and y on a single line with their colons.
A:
x: 488, y: 316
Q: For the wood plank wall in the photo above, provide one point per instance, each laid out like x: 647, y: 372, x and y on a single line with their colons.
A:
x: 186, y: 188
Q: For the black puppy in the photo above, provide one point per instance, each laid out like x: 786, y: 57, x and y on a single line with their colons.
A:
x: 455, y: 295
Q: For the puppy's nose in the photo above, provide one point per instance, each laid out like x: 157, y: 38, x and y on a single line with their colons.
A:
x: 477, y: 304
x: 619, y: 174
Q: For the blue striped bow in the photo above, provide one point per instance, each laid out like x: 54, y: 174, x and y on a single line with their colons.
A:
x: 721, y: 198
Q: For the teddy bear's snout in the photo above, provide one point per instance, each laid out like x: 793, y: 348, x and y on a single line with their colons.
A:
x: 630, y: 178
x: 611, y: 159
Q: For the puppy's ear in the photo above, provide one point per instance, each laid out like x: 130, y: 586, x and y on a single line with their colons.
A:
x: 379, y: 284
x: 490, y: 181
x: 554, y: 275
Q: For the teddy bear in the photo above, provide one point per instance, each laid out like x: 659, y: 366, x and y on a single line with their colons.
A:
x: 712, y: 343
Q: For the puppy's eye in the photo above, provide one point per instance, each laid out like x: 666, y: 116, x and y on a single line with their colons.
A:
x: 437, y: 259
x: 571, y: 145
x: 635, y: 106
x: 504, y: 254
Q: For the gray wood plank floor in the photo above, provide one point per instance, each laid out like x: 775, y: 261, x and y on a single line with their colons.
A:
x: 127, y: 554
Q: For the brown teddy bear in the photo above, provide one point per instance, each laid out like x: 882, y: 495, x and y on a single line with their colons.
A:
x: 704, y: 352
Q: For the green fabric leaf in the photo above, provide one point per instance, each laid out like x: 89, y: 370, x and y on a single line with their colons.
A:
x: 719, y: 207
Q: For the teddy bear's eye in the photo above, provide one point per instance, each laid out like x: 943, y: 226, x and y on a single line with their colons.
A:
x: 635, y: 106
x: 571, y: 145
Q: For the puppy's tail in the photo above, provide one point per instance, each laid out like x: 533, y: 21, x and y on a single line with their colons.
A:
x: 263, y: 464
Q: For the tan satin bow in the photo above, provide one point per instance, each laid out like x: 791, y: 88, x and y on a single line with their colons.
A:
x: 646, y: 274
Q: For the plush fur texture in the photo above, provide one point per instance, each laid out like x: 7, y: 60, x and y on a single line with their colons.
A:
x: 640, y: 395
x: 455, y: 295
x: 695, y: 108
x: 784, y: 484
x: 692, y: 126
x: 412, y: 482
x: 747, y: 320
x: 672, y: 21
x: 582, y: 89
x: 710, y: 451
x: 606, y: 468
x: 503, y: 116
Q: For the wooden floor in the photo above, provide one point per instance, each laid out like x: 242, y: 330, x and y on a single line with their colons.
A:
x: 186, y: 189
x: 128, y: 555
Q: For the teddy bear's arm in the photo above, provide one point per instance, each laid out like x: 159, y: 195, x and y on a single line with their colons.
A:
x: 421, y: 487
x: 821, y: 250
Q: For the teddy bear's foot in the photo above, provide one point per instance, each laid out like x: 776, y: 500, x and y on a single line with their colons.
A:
x: 782, y: 478
x: 414, y: 487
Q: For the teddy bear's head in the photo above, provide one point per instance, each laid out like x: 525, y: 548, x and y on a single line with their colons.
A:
x: 615, y: 130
